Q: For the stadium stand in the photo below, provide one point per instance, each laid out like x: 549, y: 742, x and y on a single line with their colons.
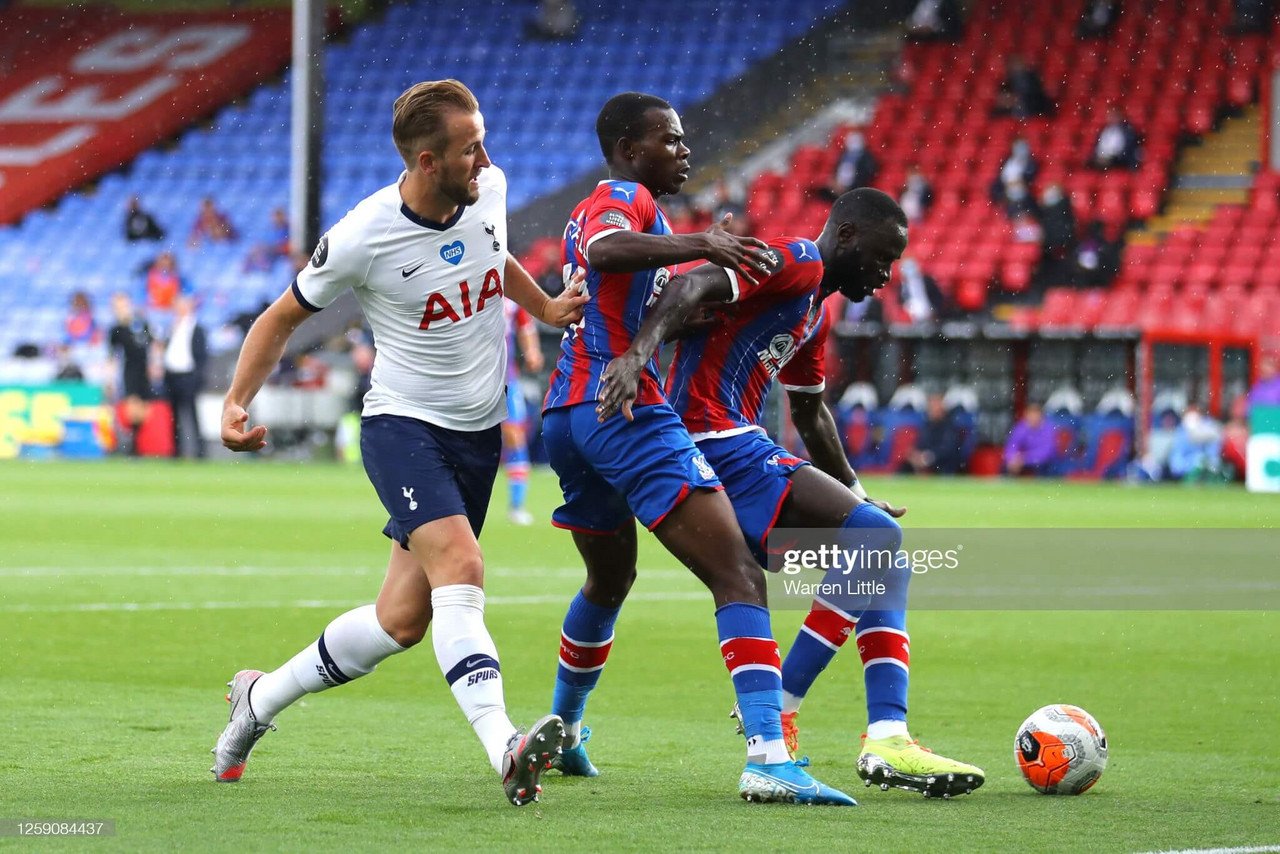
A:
x: 540, y: 104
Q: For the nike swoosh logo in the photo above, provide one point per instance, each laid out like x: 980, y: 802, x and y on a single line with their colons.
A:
x: 410, y: 271
x: 811, y: 789
x: 473, y: 662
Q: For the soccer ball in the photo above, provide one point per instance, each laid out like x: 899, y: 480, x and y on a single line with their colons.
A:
x: 1061, y: 750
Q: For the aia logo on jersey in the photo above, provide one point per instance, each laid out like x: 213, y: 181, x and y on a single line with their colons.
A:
x: 660, y: 278
x: 780, y: 350
x: 440, y: 308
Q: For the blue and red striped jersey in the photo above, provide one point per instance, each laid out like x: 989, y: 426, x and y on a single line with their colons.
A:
x: 774, y: 327
x: 618, y: 301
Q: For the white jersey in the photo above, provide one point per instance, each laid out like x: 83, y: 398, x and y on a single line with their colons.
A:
x: 433, y: 295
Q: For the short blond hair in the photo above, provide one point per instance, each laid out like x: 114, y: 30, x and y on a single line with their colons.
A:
x: 418, y: 116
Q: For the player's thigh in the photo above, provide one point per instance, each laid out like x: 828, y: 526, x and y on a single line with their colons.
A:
x: 816, y: 500
x: 448, y: 552
x: 404, y: 602
x: 591, y: 505
x: 703, y: 534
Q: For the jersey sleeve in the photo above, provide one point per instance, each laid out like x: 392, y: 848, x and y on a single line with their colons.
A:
x: 619, y: 206
x: 785, y: 277
x: 340, y: 261
x: 806, y: 372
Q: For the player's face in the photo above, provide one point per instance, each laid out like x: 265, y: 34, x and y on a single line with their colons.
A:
x: 659, y: 159
x: 864, y: 259
x: 459, y: 165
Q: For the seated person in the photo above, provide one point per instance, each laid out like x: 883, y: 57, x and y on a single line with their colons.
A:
x: 938, y: 448
x: 1032, y: 446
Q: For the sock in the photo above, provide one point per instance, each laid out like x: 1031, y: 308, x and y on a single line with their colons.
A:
x: 518, y: 475
x: 469, y: 661
x: 349, y: 647
x: 829, y: 624
x: 585, y: 641
x: 877, y: 730
x: 886, y: 657
x: 824, y: 631
x: 751, y: 654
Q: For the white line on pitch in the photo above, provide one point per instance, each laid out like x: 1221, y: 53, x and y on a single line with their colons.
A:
x: 1250, y: 849
x: 110, y: 607
x: 90, y: 571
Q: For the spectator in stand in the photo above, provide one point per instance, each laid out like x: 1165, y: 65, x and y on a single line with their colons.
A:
x: 1266, y: 390
x: 1058, y: 220
x: 919, y: 294
x: 1154, y: 465
x: 211, y: 224
x: 140, y: 225
x: 1097, y: 18
x: 1032, y: 447
x: 1022, y: 93
x: 1019, y: 202
x: 80, y: 329
x: 727, y: 197
x: 857, y: 167
x: 185, y: 355
x: 263, y: 255
x: 1097, y: 259
x: 1117, y: 146
x: 1197, y: 447
x: 1020, y: 167
x: 934, y: 20
x: 939, y: 445
x: 556, y: 20
x: 916, y: 196
x: 164, y: 282
x: 131, y: 343
x: 1235, y: 437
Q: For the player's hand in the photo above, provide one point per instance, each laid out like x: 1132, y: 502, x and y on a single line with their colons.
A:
x: 234, y: 434
x: 744, y: 254
x: 566, y: 307
x: 895, y: 512
x: 619, y: 386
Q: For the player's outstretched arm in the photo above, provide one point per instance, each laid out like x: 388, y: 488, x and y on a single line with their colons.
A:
x: 559, y: 311
x: 632, y: 251
x: 261, y: 352
x: 817, y: 430
x: 620, y: 381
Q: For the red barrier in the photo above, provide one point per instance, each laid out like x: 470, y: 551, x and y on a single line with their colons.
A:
x: 92, y: 88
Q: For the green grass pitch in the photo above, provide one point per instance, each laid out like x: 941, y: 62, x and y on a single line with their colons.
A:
x: 129, y: 593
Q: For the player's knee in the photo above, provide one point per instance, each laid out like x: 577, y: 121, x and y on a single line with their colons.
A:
x: 609, y: 589
x: 889, y: 533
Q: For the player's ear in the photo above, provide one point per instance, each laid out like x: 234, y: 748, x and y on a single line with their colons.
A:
x: 846, y: 234
x: 427, y: 161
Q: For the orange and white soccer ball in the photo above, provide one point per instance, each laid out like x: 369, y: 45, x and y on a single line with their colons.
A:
x: 1061, y: 750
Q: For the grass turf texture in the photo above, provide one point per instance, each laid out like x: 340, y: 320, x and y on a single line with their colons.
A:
x: 109, y: 713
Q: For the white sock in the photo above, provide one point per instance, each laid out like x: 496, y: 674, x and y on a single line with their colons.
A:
x: 790, y: 702
x: 469, y: 661
x: 573, y: 733
x: 768, y: 752
x: 877, y: 730
x: 349, y: 647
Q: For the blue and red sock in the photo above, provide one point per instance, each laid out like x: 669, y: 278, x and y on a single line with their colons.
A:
x: 585, y: 641
x: 751, y: 655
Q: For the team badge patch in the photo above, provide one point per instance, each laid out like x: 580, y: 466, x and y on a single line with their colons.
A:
x: 322, y: 252
x: 704, y: 468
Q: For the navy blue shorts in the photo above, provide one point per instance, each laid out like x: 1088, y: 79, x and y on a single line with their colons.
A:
x: 756, y: 473
x: 612, y: 471
x: 423, y: 472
